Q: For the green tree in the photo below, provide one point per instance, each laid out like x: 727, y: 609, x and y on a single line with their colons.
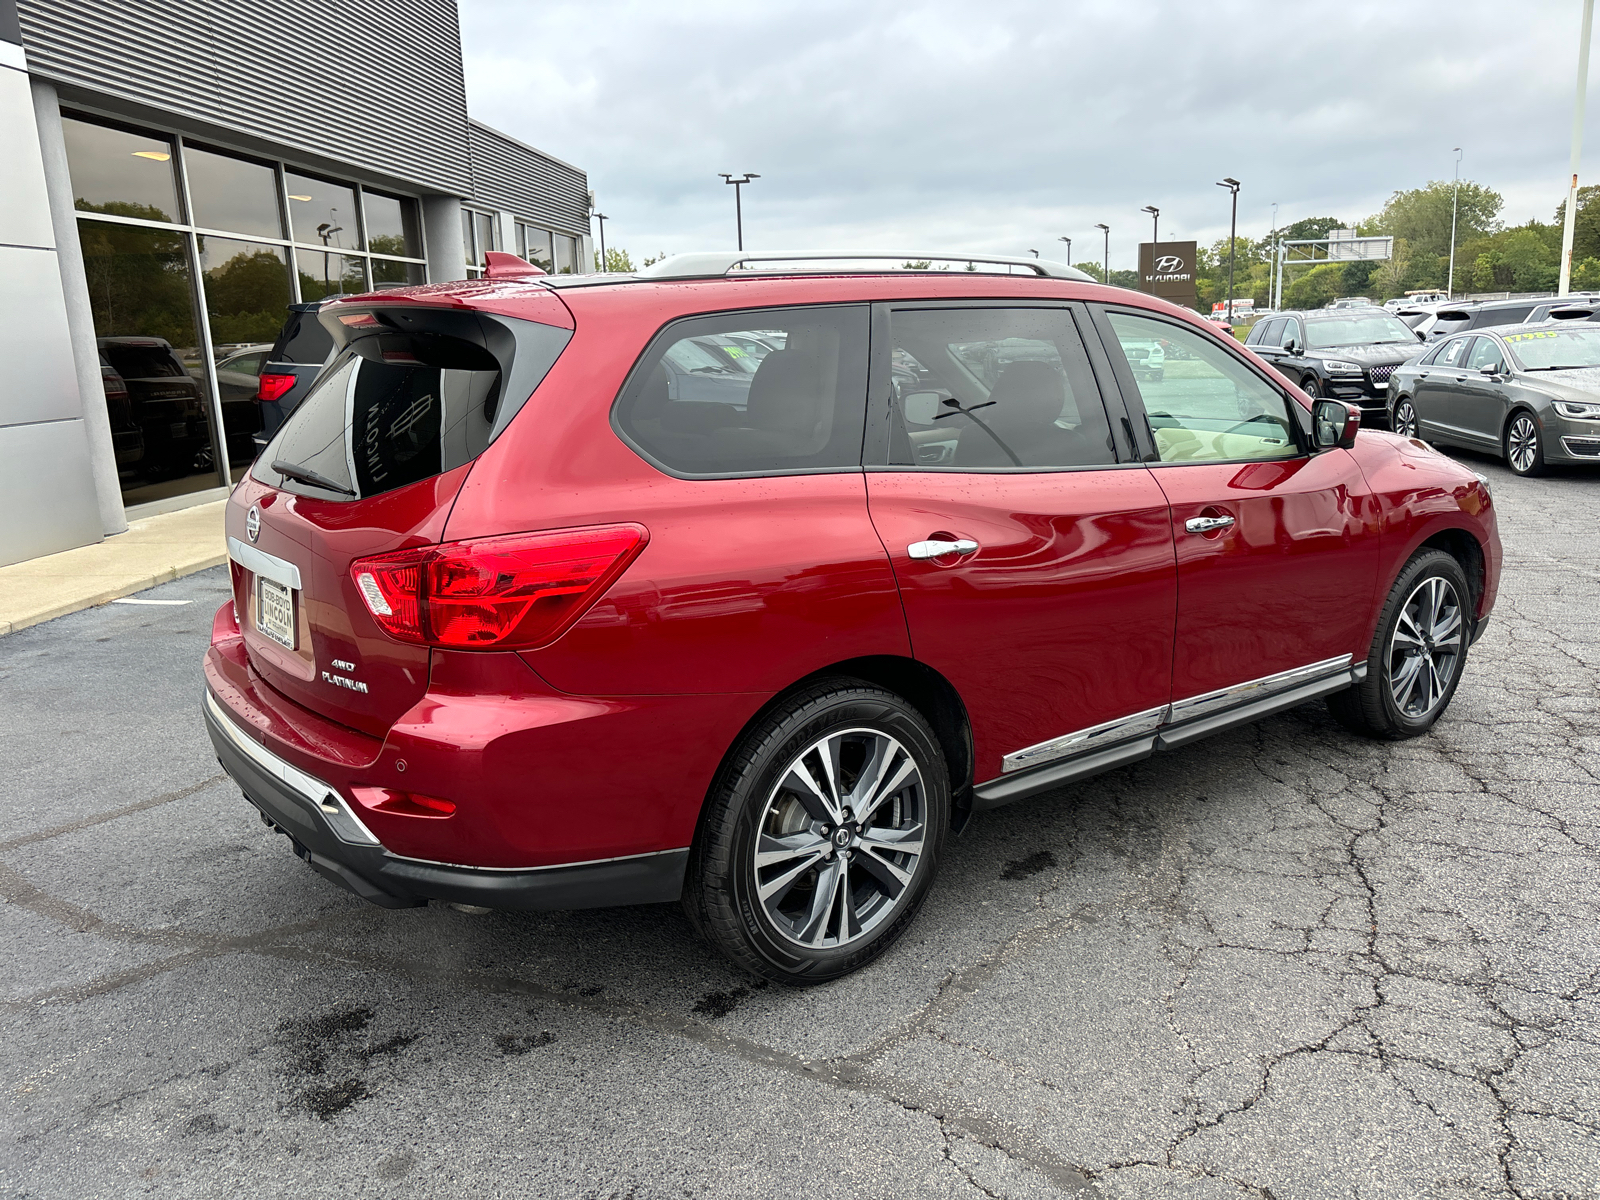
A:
x: 248, y: 296
x: 1092, y: 270
x: 1310, y: 228
x: 1422, y: 215
x: 617, y: 261
x: 1316, y: 287
x: 1586, y: 274
x: 1586, y: 227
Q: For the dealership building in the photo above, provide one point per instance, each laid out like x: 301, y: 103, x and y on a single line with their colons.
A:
x: 179, y: 172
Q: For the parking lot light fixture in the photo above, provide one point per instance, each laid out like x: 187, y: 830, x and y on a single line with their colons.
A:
x: 1233, y: 235
x: 1107, y: 267
x: 1155, y: 222
x: 738, y: 206
x: 1068, y: 241
x: 601, y: 217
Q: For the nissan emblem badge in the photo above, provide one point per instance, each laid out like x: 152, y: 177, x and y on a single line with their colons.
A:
x: 252, y: 522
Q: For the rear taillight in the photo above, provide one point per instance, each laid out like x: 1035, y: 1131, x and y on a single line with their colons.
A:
x: 272, y: 387
x: 503, y: 593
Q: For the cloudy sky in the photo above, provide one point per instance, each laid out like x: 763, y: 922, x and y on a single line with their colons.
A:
x: 1000, y: 126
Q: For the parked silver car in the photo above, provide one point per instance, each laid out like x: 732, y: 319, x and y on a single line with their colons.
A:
x: 1530, y: 393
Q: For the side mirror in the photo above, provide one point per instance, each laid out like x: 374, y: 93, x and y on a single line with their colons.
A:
x: 1334, y: 423
x: 922, y: 407
x: 1491, y: 370
x: 1291, y: 347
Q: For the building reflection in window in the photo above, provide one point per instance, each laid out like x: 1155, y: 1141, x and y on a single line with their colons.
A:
x: 120, y: 173
x: 142, y: 297
x: 326, y: 274
x: 247, y: 295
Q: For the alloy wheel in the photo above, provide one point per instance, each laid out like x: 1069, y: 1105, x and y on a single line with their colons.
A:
x: 841, y: 838
x: 1425, y: 648
x: 1311, y: 388
x: 1522, y: 444
x: 1405, y: 419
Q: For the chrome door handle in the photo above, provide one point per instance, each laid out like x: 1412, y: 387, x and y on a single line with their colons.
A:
x: 1207, y: 524
x: 937, y: 549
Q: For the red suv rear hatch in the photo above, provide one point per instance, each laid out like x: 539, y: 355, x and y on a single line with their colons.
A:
x: 369, y: 463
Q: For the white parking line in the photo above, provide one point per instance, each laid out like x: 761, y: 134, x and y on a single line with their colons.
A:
x: 131, y: 600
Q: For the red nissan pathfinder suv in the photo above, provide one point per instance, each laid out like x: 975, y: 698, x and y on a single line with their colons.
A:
x: 744, y: 580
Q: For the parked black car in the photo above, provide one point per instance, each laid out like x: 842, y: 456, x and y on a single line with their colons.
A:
x: 293, y: 363
x: 158, y: 411
x: 1345, y: 354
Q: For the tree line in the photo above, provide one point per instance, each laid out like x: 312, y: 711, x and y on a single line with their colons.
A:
x: 1490, y: 256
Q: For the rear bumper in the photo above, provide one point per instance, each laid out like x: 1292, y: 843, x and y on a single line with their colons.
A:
x: 328, y: 834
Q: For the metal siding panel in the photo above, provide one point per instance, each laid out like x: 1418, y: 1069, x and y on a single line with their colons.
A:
x: 383, y: 90
x: 518, y: 178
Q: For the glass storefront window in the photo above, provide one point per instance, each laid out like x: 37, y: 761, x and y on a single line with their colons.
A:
x: 323, y: 212
x: 392, y: 225
x: 387, y: 273
x: 566, y: 255
x: 119, y: 173
x: 324, y: 274
x: 247, y: 297
x: 141, y: 293
x: 232, y: 193
x: 535, y: 246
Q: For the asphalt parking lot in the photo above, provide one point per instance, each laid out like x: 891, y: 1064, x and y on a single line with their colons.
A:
x: 1281, y: 963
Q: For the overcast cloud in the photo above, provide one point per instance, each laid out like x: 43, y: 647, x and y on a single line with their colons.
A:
x: 1001, y: 126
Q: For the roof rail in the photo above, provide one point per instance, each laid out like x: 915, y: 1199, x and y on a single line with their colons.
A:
x: 713, y: 264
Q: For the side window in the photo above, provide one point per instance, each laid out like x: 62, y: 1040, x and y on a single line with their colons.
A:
x: 1485, y: 353
x: 1291, y: 333
x: 1207, y: 405
x: 1268, y: 332
x: 996, y: 388
x: 1454, y: 353
x: 757, y: 392
x: 1428, y: 358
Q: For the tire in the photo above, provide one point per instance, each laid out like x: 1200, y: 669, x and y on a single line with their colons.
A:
x: 1403, y: 418
x: 1311, y: 387
x: 1425, y: 620
x: 1522, y: 444
x: 773, y: 795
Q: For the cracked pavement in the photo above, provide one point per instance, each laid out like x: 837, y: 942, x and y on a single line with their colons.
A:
x: 1284, y: 962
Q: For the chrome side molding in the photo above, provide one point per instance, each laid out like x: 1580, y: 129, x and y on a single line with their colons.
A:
x: 1083, y: 741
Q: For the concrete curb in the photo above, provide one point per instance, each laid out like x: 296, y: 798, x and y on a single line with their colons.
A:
x: 154, y: 551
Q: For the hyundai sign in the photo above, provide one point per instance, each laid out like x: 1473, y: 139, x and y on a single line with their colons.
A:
x: 1166, y: 269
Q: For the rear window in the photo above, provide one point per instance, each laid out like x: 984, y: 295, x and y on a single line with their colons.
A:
x: 303, y: 340
x: 768, y: 391
x: 142, y: 362
x: 400, y: 405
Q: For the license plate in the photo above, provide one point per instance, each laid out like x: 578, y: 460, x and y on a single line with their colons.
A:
x: 275, y: 611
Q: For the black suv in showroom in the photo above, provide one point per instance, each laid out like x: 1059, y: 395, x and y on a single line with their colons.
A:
x: 1345, y: 354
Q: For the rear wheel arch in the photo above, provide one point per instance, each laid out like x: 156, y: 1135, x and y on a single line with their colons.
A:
x: 926, y: 690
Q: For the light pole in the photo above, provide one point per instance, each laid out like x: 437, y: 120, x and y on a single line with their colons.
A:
x: 1568, y: 226
x: 1272, y: 264
x: 738, y: 206
x: 601, y: 217
x: 1107, y: 267
x: 1233, y: 236
x: 1155, y: 222
x: 1035, y: 253
x: 1455, y: 196
x: 1068, y: 241
x: 325, y: 231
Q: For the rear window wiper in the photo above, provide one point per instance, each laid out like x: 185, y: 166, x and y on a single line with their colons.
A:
x: 306, y: 475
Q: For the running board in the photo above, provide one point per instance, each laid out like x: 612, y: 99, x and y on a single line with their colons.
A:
x: 1020, y: 784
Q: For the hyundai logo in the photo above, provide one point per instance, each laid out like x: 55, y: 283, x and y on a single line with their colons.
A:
x: 252, y: 523
x: 1168, y: 264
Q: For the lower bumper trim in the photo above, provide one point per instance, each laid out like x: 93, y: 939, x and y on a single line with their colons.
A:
x: 390, y: 881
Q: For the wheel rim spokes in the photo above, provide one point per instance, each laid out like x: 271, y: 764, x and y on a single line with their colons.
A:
x: 1426, y: 646
x: 1407, y: 421
x: 840, y: 839
x: 1524, y: 443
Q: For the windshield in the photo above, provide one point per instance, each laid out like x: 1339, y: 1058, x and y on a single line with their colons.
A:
x: 1555, y: 349
x: 1369, y: 329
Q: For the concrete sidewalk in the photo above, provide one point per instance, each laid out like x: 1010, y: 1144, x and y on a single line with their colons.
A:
x: 154, y: 550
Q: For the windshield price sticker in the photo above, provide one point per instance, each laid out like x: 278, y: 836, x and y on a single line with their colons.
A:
x: 1528, y: 337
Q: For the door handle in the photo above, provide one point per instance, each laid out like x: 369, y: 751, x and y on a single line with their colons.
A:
x: 1207, y: 524
x: 1422, y: 374
x: 937, y: 549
